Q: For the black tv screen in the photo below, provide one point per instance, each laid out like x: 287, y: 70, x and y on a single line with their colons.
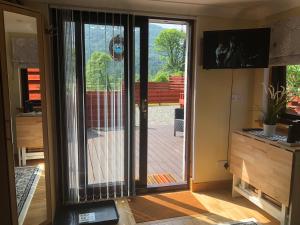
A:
x: 247, y: 48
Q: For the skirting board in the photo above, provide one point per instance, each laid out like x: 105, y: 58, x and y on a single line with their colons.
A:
x: 211, y: 185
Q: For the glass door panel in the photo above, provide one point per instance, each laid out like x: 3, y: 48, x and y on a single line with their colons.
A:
x: 137, y: 99
x: 161, y: 56
x: 92, y: 88
x: 105, y: 110
x: 166, y: 104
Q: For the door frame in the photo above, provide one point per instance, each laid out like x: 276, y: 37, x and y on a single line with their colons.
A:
x: 9, y: 7
x: 5, y: 212
x: 142, y: 22
x: 141, y: 185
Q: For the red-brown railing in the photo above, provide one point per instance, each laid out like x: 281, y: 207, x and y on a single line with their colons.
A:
x: 176, y: 83
x: 294, y: 106
x: 158, y: 92
x: 99, y: 106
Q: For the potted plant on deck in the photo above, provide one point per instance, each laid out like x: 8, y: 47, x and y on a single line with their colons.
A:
x: 277, y: 100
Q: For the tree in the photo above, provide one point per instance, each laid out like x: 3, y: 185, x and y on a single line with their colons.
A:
x: 293, y: 80
x: 170, y: 43
x: 97, y: 77
x: 161, y: 76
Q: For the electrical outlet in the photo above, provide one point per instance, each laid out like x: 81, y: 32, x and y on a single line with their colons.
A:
x: 236, y: 98
x: 223, y: 164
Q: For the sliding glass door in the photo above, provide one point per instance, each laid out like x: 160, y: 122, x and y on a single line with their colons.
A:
x: 162, y: 103
x: 117, y: 105
x: 105, y: 106
x: 93, y: 95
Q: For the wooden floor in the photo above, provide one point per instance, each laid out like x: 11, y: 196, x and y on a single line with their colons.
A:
x: 37, y: 212
x: 221, y: 206
x: 165, y: 154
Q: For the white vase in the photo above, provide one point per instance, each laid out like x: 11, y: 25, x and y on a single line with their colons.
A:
x: 269, y: 130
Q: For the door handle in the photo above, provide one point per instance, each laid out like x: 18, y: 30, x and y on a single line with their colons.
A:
x: 144, y: 106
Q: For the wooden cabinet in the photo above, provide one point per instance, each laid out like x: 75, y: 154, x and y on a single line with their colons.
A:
x: 29, y: 136
x: 267, y: 167
x: 29, y: 131
x: 262, y: 165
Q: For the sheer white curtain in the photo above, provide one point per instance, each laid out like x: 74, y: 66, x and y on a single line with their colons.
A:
x: 91, y: 65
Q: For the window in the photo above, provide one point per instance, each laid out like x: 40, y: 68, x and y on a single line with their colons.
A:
x: 31, y: 86
x: 289, y: 77
x: 293, y: 88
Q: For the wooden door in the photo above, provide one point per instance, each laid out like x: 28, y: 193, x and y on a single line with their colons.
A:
x: 7, y: 138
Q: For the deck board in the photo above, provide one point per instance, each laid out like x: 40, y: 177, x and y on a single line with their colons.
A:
x: 165, y: 154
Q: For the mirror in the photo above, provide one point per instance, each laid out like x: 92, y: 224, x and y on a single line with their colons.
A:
x: 26, y: 116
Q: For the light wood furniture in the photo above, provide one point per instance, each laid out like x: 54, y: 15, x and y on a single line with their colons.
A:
x: 268, y: 174
x: 29, y: 136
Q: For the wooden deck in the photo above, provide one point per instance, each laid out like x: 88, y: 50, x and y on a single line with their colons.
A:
x: 165, y: 154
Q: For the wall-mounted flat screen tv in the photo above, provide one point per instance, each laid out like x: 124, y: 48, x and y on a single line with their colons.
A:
x: 247, y: 48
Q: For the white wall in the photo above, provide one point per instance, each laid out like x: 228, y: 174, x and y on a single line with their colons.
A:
x: 212, y: 106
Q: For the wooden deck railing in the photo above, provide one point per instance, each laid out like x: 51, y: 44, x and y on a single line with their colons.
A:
x: 158, y: 92
x: 294, y: 105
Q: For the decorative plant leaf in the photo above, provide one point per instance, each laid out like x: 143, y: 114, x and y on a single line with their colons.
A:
x: 277, y: 99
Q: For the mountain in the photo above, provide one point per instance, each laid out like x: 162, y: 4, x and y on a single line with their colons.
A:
x: 98, y: 37
x: 155, y: 62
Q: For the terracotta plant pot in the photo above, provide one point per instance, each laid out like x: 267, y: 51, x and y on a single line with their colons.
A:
x: 269, y: 130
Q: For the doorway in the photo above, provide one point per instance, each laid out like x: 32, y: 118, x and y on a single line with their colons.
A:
x: 26, y: 128
x: 113, y: 119
x: 93, y: 109
x: 162, y: 77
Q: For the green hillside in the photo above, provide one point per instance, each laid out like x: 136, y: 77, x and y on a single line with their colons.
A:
x: 98, y: 40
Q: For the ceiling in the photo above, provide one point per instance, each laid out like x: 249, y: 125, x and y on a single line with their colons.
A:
x: 17, y: 23
x: 240, y: 9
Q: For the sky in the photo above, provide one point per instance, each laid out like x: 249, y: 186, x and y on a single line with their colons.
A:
x: 163, y: 25
x: 174, y: 26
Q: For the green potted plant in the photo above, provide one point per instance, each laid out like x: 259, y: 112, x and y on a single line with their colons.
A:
x: 277, y: 100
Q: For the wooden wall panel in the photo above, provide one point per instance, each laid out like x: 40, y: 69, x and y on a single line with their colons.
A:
x: 5, y: 212
x: 266, y: 167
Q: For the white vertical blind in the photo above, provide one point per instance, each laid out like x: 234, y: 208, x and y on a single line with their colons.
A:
x: 71, y: 106
x: 94, y: 101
